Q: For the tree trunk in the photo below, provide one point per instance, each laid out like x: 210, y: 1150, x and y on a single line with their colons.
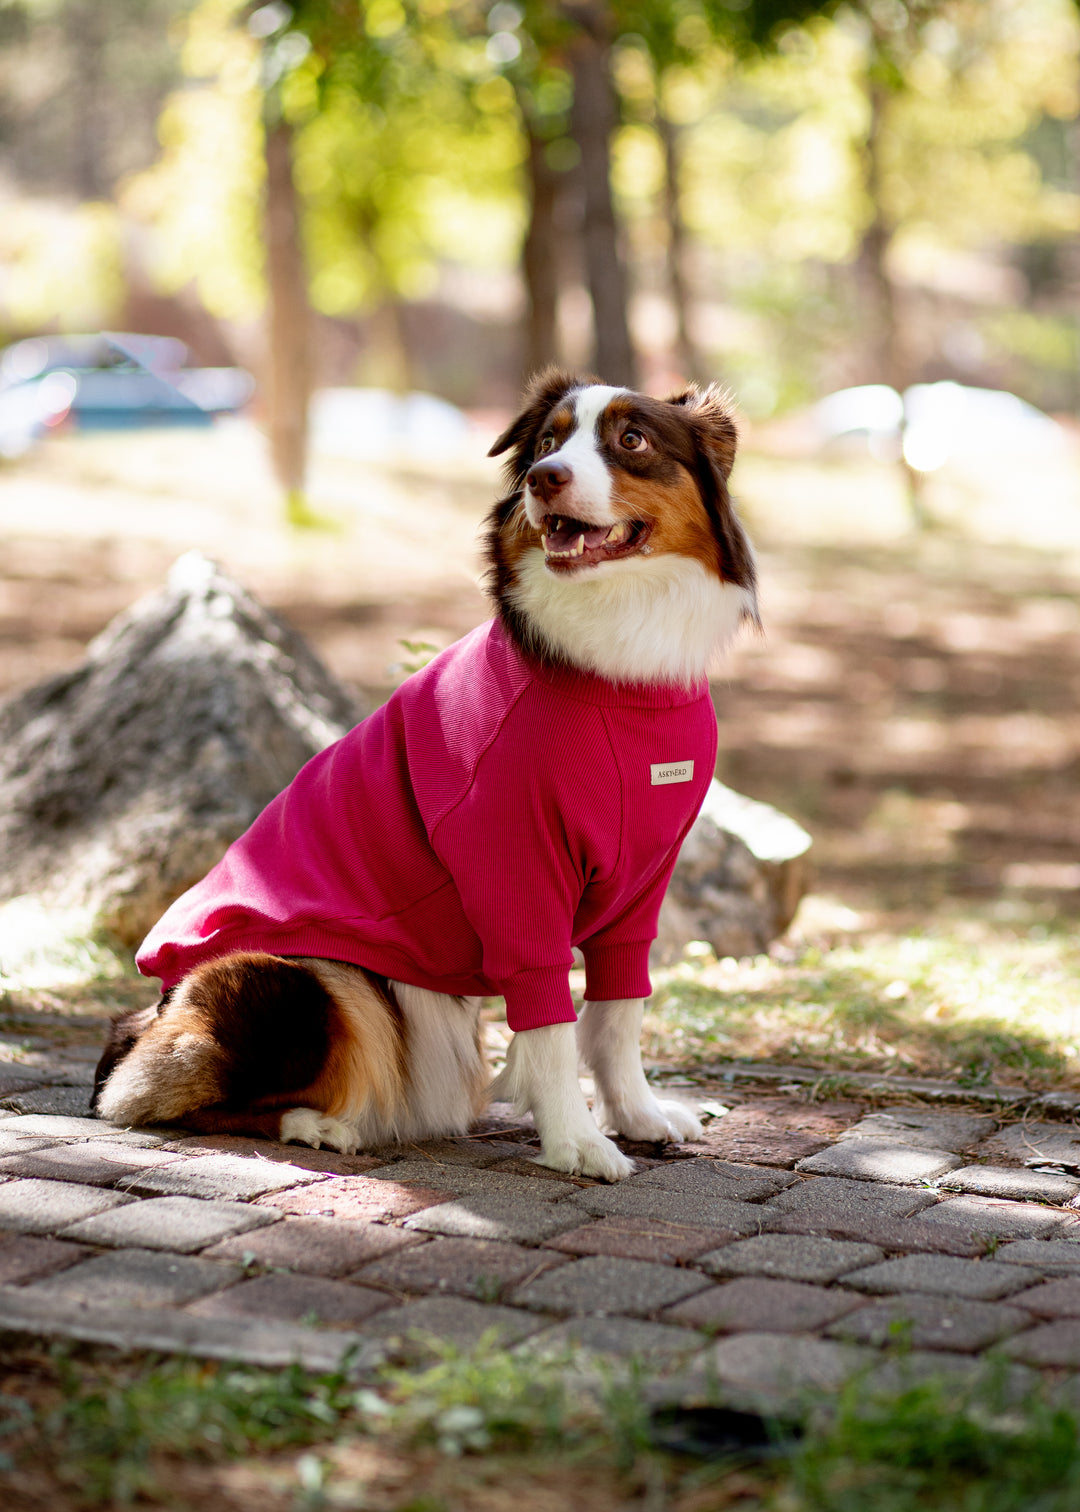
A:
x: 540, y: 257
x: 686, y: 353
x: 592, y: 121
x: 885, y: 348
x: 289, y: 387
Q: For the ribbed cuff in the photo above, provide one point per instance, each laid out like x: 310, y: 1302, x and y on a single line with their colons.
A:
x: 535, y: 998
x: 617, y: 971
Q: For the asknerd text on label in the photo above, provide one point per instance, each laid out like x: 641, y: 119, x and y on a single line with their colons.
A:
x: 664, y: 772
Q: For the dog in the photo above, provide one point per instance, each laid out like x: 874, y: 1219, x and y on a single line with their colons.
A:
x: 525, y: 793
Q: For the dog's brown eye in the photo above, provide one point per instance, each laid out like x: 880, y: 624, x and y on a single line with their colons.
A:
x: 546, y: 444
x: 633, y: 440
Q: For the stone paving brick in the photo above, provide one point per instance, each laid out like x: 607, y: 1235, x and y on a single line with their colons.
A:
x: 881, y: 1160
x: 179, y: 1224
x: 1054, y: 1299
x: 465, y: 1180
x: 713, y: 1178
x: 24, y: 1258
x: 1040, y: 1143
x: 900, y: 1370
x: 225, y: 1176
x: 34, y: 1206
x: 924, y: 1128
x: 330, y: 1161
x: 94, y: 1164
x: 12, y: 1084
x: 480, y: 1268
x: 138, y: 1278
x: 613, y: 1338
x: 455, y: 1320
x: 22, y: 1144
x: 314, y: 1246
x: 356, y: 1199
x: 131, y: 1328
x: 903, y: 1235
x: 927, y: 1322
x: 64, y: 1102
x: 1049, y: 1344
x: 521, y: 1165
x: 600, y: 1285
x: 789, y: 1257
x: 1052, y: 1257
x: 295, y: 1299
x: 626, y: 1201
x: 1005, y: 1220
x: 495, y: 1217
x: 837, y: 1200
x: 771, y: 1370
x: 472, y: 1152
x: 756, y: 1304
x: 979, y: 1280
x: 1005, y: 1181
x: 771, y: 1133
x: 52, y: 1126
x: 637, y: 1239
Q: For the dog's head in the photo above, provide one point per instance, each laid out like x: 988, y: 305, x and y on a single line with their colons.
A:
x: 615, y: 495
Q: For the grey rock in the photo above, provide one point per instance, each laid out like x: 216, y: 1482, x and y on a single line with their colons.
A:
x: 182, y: 1224
x: 122, y: 782
x: 603, y: 1284
x: 740, y: 876
x: 612, y: 1337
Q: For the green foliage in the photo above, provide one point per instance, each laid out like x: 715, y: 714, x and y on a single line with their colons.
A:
x: 111, y: 1423
x: 940, y: 1448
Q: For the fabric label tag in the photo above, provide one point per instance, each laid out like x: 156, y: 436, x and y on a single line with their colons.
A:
x: 664, y: 772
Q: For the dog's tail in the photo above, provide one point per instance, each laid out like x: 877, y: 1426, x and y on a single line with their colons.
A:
x: 155, y: 1070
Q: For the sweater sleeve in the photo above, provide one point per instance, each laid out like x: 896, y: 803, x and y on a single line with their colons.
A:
x: 617, y: 956
x: 514, y: 846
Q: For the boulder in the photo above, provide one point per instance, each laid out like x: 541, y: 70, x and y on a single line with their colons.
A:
x: 123, y: 781
x: 741, y: 872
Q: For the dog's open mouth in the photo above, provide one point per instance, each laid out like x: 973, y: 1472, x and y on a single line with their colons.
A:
x: 574, y: 543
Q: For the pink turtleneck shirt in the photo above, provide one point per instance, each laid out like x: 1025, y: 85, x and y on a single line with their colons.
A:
x: 491, y: 815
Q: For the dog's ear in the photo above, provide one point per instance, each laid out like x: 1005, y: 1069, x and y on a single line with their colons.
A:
x: 543, y: 393
x: 709, y: 413
x: 715, y: 437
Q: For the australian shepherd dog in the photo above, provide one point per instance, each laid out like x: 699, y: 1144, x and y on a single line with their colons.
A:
x: 524, y: 794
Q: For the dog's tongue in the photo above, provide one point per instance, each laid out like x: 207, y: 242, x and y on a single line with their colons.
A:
x: 566, y: 535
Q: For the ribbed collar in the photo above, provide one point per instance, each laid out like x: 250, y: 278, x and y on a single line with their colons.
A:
x: 591, y: 688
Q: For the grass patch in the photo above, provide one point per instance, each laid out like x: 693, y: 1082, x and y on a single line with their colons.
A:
x: 87, y: 1430
x: 971, y: 1001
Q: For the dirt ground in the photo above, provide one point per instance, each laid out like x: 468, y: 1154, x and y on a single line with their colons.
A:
x: 914, y: 701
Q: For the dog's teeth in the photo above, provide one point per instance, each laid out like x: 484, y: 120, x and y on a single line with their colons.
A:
x: 543, y: 543
x: 616, y: 534
x: 578, y: 547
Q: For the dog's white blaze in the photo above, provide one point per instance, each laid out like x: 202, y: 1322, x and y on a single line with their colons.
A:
x: 642, y: 619
x: 588, y: 496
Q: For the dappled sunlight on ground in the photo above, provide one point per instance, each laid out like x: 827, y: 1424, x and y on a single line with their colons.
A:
x: 913, y: 702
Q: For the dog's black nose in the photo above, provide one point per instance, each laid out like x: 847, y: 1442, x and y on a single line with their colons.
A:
x: 546, y: 478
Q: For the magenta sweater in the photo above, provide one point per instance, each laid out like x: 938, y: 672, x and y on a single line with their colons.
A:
x: 462, y: 838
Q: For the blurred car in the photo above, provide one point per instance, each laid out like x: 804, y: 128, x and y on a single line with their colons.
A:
x: 931, y: 424
x: 109, y: 381
x: 368, y: 422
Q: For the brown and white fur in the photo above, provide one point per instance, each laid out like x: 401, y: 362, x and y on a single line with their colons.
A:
x: 617, y: 551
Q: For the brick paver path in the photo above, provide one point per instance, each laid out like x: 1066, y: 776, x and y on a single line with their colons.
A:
x: 794, y: 1245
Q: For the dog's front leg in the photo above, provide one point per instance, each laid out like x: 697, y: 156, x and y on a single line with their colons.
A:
x: 541, y: 1078
x: 609, y: 1036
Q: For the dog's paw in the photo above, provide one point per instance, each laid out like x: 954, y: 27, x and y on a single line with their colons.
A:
x: 305, y: 1126
x: 653, y: 1121
x: 591, y: 1155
